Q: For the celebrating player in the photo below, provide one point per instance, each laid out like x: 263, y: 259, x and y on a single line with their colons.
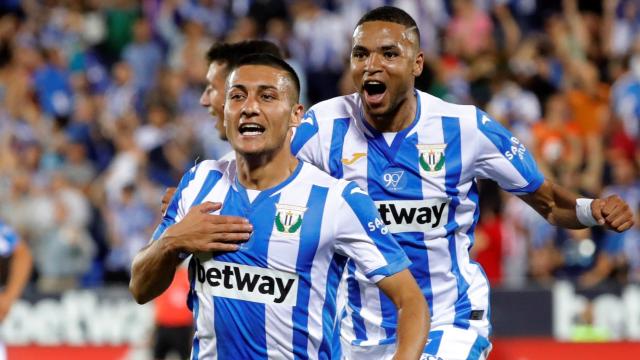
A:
x: 275, y: 297
x: 419, y: 157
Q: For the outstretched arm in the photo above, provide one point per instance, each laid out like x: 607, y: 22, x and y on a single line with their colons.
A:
x: 413, y: 314
x: 558, y: 206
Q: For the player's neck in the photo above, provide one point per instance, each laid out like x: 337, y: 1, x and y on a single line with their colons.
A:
x: 264, y: 171
x: 396, y: 120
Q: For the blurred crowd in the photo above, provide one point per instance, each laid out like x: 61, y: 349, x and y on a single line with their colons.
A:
x: 99, y: 113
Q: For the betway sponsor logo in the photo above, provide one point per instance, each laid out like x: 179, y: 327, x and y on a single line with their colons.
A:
x: 413, y: 215
x: 249, y: 283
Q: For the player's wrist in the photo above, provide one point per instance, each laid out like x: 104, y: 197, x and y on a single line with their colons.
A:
x: 170, y: 244
x: 584, y: 212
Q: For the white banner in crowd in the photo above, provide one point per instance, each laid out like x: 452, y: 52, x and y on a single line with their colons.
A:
x: 79, y: 318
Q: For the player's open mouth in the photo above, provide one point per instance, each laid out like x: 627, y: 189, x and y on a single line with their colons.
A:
x: 250, y: 129
x: 374, y: 91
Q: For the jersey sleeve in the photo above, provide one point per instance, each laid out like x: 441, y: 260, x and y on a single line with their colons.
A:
x: 503, y: 158
x: 9, y: 240
x: 305, y: 144
x: 177, y: 208
x: 362, y: 236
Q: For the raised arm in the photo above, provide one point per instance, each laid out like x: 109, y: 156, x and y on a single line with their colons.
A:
x: 413, y: 314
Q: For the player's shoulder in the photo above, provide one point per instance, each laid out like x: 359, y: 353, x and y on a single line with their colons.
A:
x: 313, y: 175
x: 432, y: 106
x: 204, y: 168
x: 334, y: 108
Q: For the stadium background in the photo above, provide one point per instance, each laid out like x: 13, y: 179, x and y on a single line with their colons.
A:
x: 99, y: 113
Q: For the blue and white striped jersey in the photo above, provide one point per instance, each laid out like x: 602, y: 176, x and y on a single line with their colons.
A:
x: 8, y: 240
x: 276, y: 297
x: 423, y: 181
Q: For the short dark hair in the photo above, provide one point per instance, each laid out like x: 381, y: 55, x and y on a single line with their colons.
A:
x: 271, y: 61
x: 391, y: 14
x: 230, y: 53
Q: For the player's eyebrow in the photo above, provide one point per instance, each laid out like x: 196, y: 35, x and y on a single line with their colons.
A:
x: 261, y: 87
x: 359, y: 48
x: 389, y: 47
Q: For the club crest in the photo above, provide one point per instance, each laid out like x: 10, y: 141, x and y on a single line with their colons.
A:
x: 432, y: 158
x: 289, y: 219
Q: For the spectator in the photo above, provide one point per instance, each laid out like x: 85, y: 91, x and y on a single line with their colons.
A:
x: 144, y: 56
x: 131, y: 223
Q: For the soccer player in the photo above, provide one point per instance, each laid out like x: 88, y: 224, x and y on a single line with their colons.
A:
x: 15, y: 268
x: 222, y: 57
x: 275, y: 297
x: 419, y: 157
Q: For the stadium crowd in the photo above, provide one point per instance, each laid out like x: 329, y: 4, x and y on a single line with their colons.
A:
x: 99, y: 113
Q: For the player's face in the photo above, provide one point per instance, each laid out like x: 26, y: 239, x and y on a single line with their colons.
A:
x: 260, y: 109
x: 385, y: 59
x: 213, y: 95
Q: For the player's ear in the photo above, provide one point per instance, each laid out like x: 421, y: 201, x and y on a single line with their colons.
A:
x: 418, y: 64
x: 297, y: 112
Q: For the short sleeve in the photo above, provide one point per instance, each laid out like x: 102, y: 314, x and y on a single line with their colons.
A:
x: 502, y: 157
x: 362, y: 236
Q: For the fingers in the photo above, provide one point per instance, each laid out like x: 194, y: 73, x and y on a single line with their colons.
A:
x: 611, y: 204
x: 207, y: 207
x: 229, y: 228
x: 228, y: 237
x: 222, y: 247
x: 226, y: 219
x: 596, y: 210
x: 617, y: 214
x: 624, y: 226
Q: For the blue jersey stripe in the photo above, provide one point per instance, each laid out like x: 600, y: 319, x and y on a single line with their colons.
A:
x: 435, y: 337
x: 330, y: 324
x: 250, y: 317
x: 523, y: 162
x: 307, y: 129
x: 172, y: 211
x: 340, y: 127
x: 310, y: 232
x: 211, y: 181
x: 356, y: 304
x: 453, y: 168
x: 410, y: 187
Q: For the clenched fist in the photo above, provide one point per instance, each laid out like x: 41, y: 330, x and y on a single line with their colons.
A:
x: 613, y: 213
